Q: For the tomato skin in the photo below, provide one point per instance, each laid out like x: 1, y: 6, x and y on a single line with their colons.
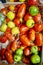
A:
x: 38, y: 27
x: 9, y: 57
x: 25, y: 40
x: 33, y: 2
x: 17, y: 21
x: 23, y: 29
x: 27, y: 16
x: 7, y: 20
x: 37, y: 18
x: 26, y: 51
x: 21, y: 11
x: 39, y: 39
x: 31, y: 35
x: 3, y: 51
x: 4, y: 39
x: 4, y: 11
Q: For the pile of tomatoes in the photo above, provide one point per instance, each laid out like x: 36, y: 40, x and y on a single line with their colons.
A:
x: 21, y: 36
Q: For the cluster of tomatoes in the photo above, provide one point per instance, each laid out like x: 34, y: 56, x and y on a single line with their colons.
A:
x: 22, y: 37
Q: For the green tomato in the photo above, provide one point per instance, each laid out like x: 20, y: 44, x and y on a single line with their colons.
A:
x: 15, y: 30
x: 11, y: 24
x: 30, y: 23
x: 10, y: 15
x: 3, y: 27
x: 34, y: 49
x: 22, y: 0
x: 17, y: 58
x: 35, y: 59
x: 19, y: 52
x: 1, y: 17
x: 33, y: 10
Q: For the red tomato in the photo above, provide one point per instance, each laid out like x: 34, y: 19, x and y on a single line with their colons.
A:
x: 17, y: 21
x: 31, y: 35
x: 13, y: 46
x: 7, y: 19
x: 39, y: 39
x: 23, y: 29
x: 21, y: 11
x: 26, y: 60
x: 27, y: 16
x: 38, y: 27
x: 37, y: 18
x: 25, y: 40
x: 4, y: 11
x: 26, y: 51
x: 9, y: 57
x: 4, y: 39
x: 33, y: 2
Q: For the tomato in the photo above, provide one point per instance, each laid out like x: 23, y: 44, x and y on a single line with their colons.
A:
x: 17, y: 21
x: 23, y: 29
x: 26, y: 51
x: 4, y: 39
x: 21, y: 11
x: 0, y: 38
x: 4, y: 11
x: 33, y: 2
x: 31, y: 35
x: 37, y: 18
x: 38, y: 27
x: 39, y: 48
x: 7, y: 19
x: 26, y: 60
x: 9, y: 57
x: 27, y: 16
x: 8, y: 30
x: 39, y: 39
x: 13, y: 46
x: 25, y: 40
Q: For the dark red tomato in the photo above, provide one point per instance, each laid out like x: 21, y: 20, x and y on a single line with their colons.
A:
x: 27, y: 16
x: 25, y: 40
x: 4, y: 39
x: 26, y: 60
x: 17, y: 21
x: 21, y: 11
x: 9, y: 57
x: 39, y: 39
x: 38, y: 27
x: 37, y: 18
x: 23, y: 29
x: 33, y: 2
x: 26, y: 51
x: 13, y: 46
x: 7, y: 20
x: 18, y: 6
x: 3, y: 51
x: 4, y: 11
x: 31, y: 34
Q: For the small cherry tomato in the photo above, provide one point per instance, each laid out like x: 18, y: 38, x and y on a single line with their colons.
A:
x: 38, y: 27
x: 4, y: 11
x: 23, y: 29
x: 17, y: 21
x: 26, y: 51
x: 37, y: 18
x: 31, y: 35
x: 25, y: 40
x: 7, y: 19
x: 4, y: 39
x: 27, y: 16
x: 21, y: 11
x: 39, y: 39
x: 33, y: 2
x: 9, y: 57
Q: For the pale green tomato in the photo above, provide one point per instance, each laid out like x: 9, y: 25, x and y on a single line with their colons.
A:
x: 11, y: 15
x: 11, y: 24
x: 3, y: 27
x: 15, y: 30
x: 30, y: 23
